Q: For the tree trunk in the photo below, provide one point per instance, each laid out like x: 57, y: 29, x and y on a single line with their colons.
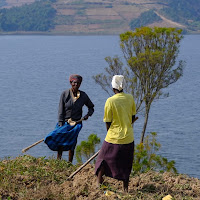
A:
x: 145, y: 123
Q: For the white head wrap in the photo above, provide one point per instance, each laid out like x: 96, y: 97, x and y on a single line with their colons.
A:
x: 118, y: 82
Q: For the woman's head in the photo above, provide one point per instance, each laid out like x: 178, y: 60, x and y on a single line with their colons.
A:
x: 75, y: 81
x: 118, y: 82
x: 75, y: 77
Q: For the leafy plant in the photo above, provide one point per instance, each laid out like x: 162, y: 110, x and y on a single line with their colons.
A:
x: 87, y: 148
x: 146, y: 157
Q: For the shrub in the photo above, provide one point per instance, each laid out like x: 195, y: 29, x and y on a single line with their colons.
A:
x: 145, y: 157
x: 87, y: 148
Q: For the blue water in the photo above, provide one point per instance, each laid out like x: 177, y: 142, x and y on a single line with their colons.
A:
x: 34, y: 70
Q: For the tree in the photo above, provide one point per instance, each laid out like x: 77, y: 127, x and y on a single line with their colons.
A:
x: 151, y: 58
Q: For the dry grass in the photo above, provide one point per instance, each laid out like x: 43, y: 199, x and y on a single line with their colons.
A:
x: 29, y: 178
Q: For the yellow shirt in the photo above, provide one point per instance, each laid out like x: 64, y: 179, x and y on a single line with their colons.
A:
x: 119, y: 110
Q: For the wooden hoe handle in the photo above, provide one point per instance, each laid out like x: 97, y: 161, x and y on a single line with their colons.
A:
x: 27, y: 148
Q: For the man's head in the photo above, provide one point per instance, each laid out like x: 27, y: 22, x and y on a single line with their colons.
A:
x: 75, y: 81
x: 118, y: 82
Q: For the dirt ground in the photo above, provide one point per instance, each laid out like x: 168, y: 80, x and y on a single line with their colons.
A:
x: 151, y: 185
x: 29, y: 178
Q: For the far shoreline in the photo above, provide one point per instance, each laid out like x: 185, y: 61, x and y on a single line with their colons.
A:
x: 49, y: 33
x: 46, y: 33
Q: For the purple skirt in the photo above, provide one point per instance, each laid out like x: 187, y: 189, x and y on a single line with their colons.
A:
x: 117, y: 160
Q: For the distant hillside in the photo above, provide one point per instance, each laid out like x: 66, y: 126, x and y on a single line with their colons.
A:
x: 107, y: 16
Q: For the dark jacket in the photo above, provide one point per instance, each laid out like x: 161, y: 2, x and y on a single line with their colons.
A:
x: 69, y: 109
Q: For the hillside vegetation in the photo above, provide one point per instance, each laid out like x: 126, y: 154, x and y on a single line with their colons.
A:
x: 27, y: 177
x: 102, y: 16
x: 37, y: 16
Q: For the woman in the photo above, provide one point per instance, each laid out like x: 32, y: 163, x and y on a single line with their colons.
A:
x: 116, y: 155
x: 64, y: 137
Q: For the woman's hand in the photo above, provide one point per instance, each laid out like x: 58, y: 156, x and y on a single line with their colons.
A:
x: 85, y: 117
x: 60, y: 124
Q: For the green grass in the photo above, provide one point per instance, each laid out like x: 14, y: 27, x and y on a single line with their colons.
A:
x: 20, y: 176
x: 30, y: 178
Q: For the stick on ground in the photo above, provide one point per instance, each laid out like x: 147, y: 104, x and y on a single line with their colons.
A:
x: 83, y: 165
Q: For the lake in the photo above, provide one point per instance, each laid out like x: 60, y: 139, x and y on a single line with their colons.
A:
x: 34, y: 70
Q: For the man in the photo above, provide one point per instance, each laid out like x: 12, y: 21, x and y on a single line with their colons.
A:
x: 116, y: 155
x: 64, y: 137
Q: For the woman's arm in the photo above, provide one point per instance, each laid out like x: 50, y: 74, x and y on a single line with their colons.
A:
x: 90, y: 106
x: 61, y: 111
x: 108, y: 124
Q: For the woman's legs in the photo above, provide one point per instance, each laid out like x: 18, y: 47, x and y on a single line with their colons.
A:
x: 125, y: 185
x: 100, y: 178
x: 71, y: 155
x: 100, y: 175
x: 59, y: 154
x: 60, y: 151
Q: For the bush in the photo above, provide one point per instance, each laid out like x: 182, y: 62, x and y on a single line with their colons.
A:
x: 145, y: 157
x: 87, y: 148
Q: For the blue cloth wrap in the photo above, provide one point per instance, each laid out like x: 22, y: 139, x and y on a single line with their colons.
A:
x: 64, y: 137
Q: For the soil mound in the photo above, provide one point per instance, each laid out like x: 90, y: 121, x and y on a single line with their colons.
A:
x: 152, y: 185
